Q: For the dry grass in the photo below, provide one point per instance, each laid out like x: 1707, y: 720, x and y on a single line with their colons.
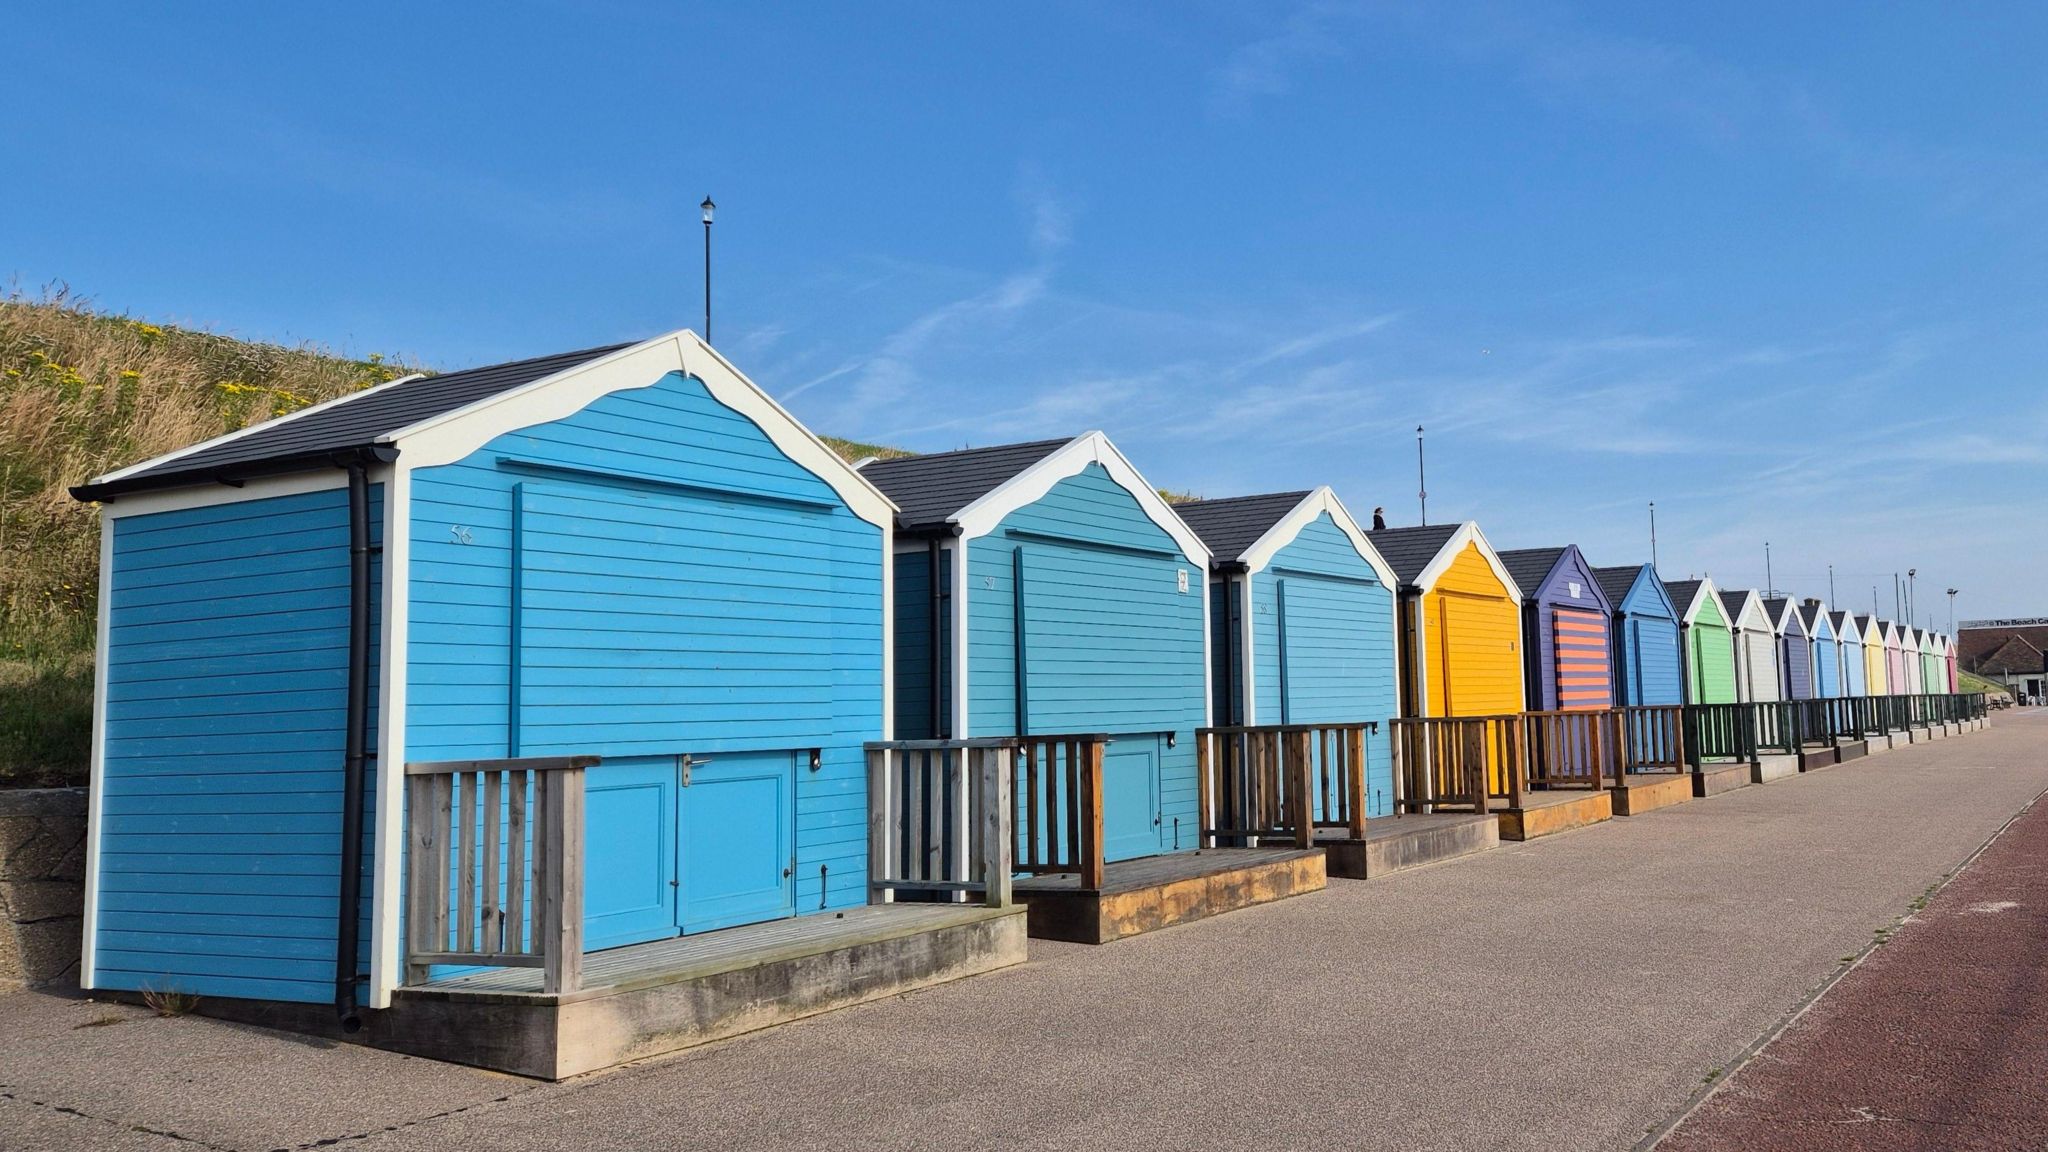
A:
x: 83, y: 393
x: 169, y: 1003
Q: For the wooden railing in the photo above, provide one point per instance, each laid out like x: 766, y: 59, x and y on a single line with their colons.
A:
x: 1720, y: 732
x: 1059, y: 806
x: 1281, y: 782
x: 494, y: 871
x: 1457, y: 761
x: 1572, y: 749
x: 939, y: 819
x: 1654, y: 737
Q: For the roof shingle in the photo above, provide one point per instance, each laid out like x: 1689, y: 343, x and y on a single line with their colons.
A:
x: 1230, y: 526
x: 930, y: 489
x: 1409, y: 550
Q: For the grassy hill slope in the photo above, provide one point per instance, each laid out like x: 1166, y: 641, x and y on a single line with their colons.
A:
x: 82, y: 393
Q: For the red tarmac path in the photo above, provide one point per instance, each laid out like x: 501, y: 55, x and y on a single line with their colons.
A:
x: 1937, y: 1040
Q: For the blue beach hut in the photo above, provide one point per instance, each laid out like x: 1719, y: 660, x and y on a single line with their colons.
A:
x: 628, y: 553
x: 1649, y: 664
x: 1827, y: 649
x: 1849, y: 645
x: 1046, y: 588
x: 1301, y: 620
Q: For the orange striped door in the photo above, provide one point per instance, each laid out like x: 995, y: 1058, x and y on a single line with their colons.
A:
x: 1585, y: 677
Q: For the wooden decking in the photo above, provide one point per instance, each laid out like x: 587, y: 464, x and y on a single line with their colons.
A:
x: 658, y: 997
x: 1394, y: 843
x: 1161, y: 891
x: 1550, y: 812
x: 1642, y: 792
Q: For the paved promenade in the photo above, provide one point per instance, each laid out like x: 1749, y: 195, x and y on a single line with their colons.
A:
x: 1573, y: 993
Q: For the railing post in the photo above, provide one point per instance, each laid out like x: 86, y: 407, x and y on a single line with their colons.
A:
x: 998, y: 773
x: 561, y: 887
x: 1091, y: 863
x: 1304, y: 789
x: 1360, y: 760
x: 1204, y: 785
x: 879, y: 825
x: 426, y: 929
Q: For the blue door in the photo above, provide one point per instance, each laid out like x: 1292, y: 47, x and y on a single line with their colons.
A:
x: 738, y: 831
x: 629, y: 891
x: 1130, y: 798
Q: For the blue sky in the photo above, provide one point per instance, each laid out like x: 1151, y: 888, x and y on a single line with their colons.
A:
x: 1778, y: 268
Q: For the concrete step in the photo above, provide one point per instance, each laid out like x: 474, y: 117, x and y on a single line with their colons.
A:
x: 1162, y: 891
x: 1714, y: 779
x: 1776, y: 767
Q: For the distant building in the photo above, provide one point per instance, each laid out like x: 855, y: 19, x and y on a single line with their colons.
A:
x: 2007, y: 651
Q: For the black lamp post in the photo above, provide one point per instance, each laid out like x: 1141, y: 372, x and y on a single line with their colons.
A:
x: 708, y: 208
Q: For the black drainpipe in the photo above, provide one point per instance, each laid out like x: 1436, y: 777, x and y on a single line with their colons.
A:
x: 938, y: 728
x: 347, y: 927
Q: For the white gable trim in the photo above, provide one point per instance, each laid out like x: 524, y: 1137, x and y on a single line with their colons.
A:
x: 1751, y: 617
x: 209, y: 495
x: 1467, y: 533
x: 1700, y: 598
x: 1070, y: 459
x: 1787, y: 618
x: 1821, y: 620
x: 1311, y: 508
x: 451, y: 436
x: 264, y: 426
x: 387, y: 968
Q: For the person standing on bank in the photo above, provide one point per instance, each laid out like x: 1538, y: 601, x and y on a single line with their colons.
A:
x: 1379, y: 519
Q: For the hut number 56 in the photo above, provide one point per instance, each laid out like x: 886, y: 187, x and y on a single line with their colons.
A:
x: 1181, y: 578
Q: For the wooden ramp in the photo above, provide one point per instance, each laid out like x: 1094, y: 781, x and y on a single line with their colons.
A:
x: 1395, y: 843
x: 647, y: 999
x: 1161, y: 891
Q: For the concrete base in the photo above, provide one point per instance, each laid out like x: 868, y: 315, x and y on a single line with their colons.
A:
x: 1878, y: 742
x: 886, y: 950
x: 1714, y: 779
x: 1817, y: 756
x: 1548, y: 813
x: 1393, y: 843
x: 1769, y: 768
x: 1849, y: 750
x: 1652, y: 792
x: 1161, y: 891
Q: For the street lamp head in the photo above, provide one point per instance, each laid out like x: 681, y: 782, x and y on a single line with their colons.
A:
x: 708, y: 208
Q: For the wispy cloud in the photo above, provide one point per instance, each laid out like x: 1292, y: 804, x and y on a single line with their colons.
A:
x: 1267, y: 66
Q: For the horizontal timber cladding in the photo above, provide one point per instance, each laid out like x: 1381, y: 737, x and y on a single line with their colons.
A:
x: 1472, y: 637
x: 1565, y: 629
x: 1795, y: 664
x: 1584, y: 674
x: 1710, y: 656
x: 647, y: 578
x: 1653, y: 674
x: 1111, y: 641
x: 221, y: 786
x: 1874, y: 678
x: 1323, y: 636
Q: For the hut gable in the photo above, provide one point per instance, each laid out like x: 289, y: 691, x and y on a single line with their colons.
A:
x: 1649, y: 665
x: 1566, y: 620
x: 1303, y: 615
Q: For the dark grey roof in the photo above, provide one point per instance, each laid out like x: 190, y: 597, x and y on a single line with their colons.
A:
x: 1682, y: 593
x: 1618, y: 580
x: 1775, y: 609
x: 1843, y: 621
x: 1409, y: 550
x: 1233, y: 524
x: 304, y: 442
x: 931, y: 488
x: 1530, y: 566
x: 1810, y: 612
x: 1731, y: 604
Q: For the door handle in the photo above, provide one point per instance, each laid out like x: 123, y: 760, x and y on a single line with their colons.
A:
x: 687, y: 762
